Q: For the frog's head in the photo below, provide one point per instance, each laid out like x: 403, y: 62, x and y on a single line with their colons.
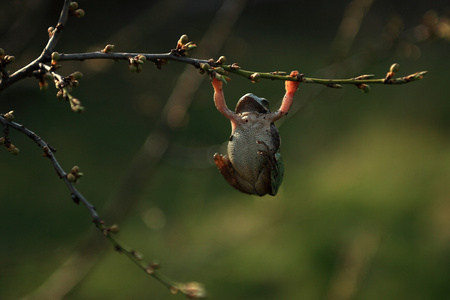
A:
x: 252, y: 103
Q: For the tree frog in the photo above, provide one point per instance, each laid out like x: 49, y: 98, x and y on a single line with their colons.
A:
x: 253, y: 163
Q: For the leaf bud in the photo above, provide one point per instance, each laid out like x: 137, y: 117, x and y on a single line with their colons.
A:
x: 204, y: 66
x: 71, y: 177
x: 73, y: 6
x: 132, y: 68
x: 255, y: 77
x: 221, y: 60
x: 75, y: 170
x: 190, y: 46
x: 77, y: 75
x: 235, y: 66
x: 75, y: 101
x: 2, y: 140
x: 43, y: 85
x: 55, y: 56
x: 48, y: 77
x: 2, y: 53
x: 13, y: 149
x: 394, y: 68
x: 50, y: 31
x: 220, y: 70
x: 194, y: 290
x: 365, y: 88
x: 79, y: 13
x: 174, y: 290
x: 141, y: 58
x: 9, y: 116
x: 78, y: 109
x: 137, y: 255
x: 9, y: 59
x: 108, y: 48
x: 114, y: 228
x: 182, y: 41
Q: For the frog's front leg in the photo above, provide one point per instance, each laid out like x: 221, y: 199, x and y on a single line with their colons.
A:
x: 290, y: 87
x: 219, y: 101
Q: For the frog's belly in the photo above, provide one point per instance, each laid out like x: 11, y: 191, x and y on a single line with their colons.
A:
x: 244, y: 150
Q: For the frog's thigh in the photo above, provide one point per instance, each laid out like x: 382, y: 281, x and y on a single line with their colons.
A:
x: 263, y: 184
x: 231, y: 176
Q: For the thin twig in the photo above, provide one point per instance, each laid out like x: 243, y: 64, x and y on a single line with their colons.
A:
x: 49, y: 151
x: 199, y: 63
x: 208, y: 65
x: 77, y: 197
x: 45, y: 56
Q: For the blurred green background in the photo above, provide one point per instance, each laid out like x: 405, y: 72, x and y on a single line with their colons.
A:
x: 364, y: 210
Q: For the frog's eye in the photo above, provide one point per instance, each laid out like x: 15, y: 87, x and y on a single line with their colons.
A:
x: 265, y: 103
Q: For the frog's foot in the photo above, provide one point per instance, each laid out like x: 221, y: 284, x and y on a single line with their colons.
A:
x: 292, y: 86
x: 225, y: 167
x: 217, y: 84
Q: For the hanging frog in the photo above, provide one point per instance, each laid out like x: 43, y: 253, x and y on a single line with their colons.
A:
x: 253, y: 162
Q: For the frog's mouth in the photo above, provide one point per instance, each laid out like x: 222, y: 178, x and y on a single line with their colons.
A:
x: 252, y: 103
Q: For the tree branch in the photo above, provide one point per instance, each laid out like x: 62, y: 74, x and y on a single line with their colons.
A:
x: 192, y: 289
x: 45, y: 56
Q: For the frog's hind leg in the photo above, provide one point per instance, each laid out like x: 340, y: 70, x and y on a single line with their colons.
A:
x: 225, y: 167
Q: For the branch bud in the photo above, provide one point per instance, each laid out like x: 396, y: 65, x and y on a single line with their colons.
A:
x: 363, y: 87
x: 48, y: 77
x: 50, y: 31
x: 194, y: 290
x: 204, y: 67
x: 2, y: 140
x: 71, y: 177
x: 75, y: 170
x: 74, y: 174
x: 60, y: 94
x: 75, y: 101
x: 2, y: 53
x: 114, y: 229
x: 9, y: 59
x: 55, y: 56
x: 182, y: 41
x: 394, y: 68
x: 255, y: 77
x: 220, y: 70
x: 75, y: 105
x: 77, y: 75
x: 137, y: 255
x: 79, y: 13
x: 189, y: 46
x: 13, y: 149
x: 152, y: 267
x: 235, y: 66
x: 141, y: 59
x: 73, y: 6
x: 9, y: 116
x: 132, y: 68
x: 43, y: 85
x: 221, y: 60
x: 108, y: 48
